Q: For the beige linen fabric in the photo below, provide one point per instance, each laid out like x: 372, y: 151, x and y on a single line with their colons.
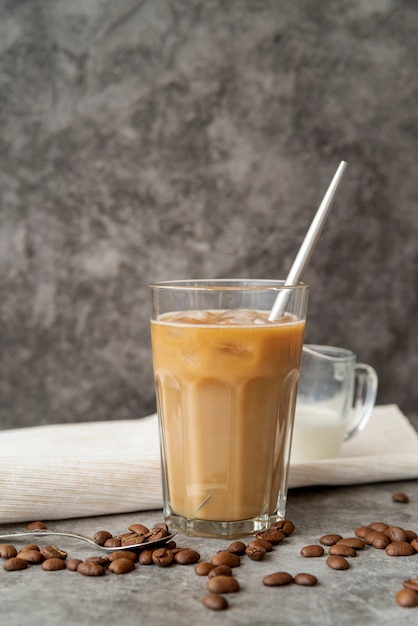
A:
x: 76, y: 470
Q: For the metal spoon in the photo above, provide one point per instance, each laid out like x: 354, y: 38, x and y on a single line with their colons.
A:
x: 66, y: 533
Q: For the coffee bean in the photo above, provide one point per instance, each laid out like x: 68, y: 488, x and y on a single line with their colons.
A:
x: 123, y: 554
x: 220, y: 570
x: 352, y: 542
x: 160, y: 526
x: 380, y: 527
x: 30, y: 546
x: 255, y: 553
x: 7, y: 551
x: 237, y: 547
x: 312, y: 551
x: 400, y: 497
x: 377, y: 539
x: 223, y: 584
x: 215, y: 602
x: 14, y: 564
x: 31, y: 556
x: 101, y: 536
x: 411, y: 583
x: 100, y: 560
x: 407, y: 598
x: 52, y: 552
x: 274, y: 535
x: 337, y: 562
x: 330, y: 539
x: 286, y: 526
x: 162, y: 557
x: 158, y: 531
x: 139, y: 529
x: 72, y: 564
x: 362, y: 531
x: 268, y: 547
x: 395, y: 533
x: 123, y: 536
x: 145, y: 557
x: 121, y: 566
x: 307, y: 580
x: 277, y: 579
x: 342, y: 550
x: 53, y: 564
x: 36, y: 526
x: 156, y: 534
x: 204, y: 568
x: 187, y: 557
x: 113, y: 542
x: 400, y: 548
x: 90, y: 569
x: 129, y: 539
x: 224, y: 557
x: 133, y: 539
x: 410, y: 535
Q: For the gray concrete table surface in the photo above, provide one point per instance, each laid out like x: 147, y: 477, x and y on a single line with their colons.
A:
x: 363, y: 594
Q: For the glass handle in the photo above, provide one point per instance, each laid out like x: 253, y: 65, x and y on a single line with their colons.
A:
x: 365, y: 392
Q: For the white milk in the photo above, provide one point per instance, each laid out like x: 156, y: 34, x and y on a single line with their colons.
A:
x: 317, y: 434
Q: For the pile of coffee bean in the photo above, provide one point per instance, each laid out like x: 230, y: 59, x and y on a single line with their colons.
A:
x: 52, y: 558
x: 394, y: 540
x: 220, y: 579
x: 138, y: 534
x: 218, y: 570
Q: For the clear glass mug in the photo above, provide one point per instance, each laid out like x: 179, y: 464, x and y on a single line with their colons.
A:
x: 335, y: 399
x: 226, y: 383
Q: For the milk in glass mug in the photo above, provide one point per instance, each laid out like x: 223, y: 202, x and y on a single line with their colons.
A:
x: 335, y: 399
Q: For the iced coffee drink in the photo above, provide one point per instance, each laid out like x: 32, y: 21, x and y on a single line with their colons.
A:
x: 226, y: 385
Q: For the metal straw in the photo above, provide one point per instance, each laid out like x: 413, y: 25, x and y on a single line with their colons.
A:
x: 308, y: 244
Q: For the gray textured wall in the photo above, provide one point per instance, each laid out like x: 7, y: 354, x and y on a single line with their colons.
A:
x: 159, y: 139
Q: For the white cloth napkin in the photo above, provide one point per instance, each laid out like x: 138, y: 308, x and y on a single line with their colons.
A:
x: 98, y: 468
x: 387, y: 449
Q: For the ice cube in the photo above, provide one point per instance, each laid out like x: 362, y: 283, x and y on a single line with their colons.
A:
x: 191, y: 317
x: 238, y: 317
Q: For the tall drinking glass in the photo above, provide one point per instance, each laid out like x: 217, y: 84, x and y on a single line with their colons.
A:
x: 226, y: 384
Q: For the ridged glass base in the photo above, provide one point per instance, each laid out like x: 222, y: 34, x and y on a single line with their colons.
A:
x: 221, y: 530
